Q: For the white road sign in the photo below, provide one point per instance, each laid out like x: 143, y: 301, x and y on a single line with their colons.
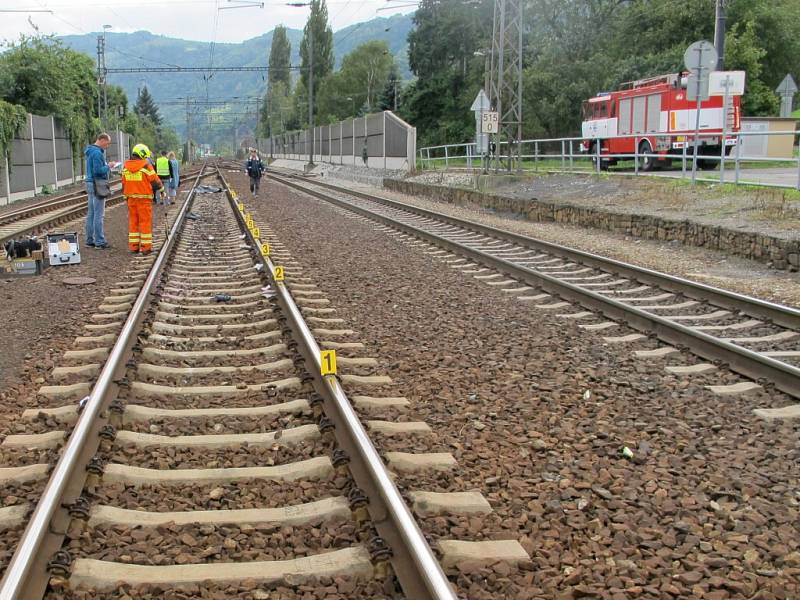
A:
x: 787, y: 86
x: 722, y: 82
x: 700, y: 56
x: 695, y: 87
x: 490, y: 122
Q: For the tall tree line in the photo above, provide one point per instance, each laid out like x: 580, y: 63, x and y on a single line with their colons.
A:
x: 366, y: 81
x: 44, y: 77
x: 576, y: 48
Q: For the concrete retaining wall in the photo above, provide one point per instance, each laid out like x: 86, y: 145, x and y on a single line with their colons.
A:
x: 777, y: 252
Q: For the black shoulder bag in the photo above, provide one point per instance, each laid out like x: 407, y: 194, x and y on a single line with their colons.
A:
x: 102, y: 189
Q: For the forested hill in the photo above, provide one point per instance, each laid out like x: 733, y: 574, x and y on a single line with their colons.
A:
x: 143, y: 48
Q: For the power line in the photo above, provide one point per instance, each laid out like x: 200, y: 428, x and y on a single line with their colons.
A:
x: 142, y: 58
x: 177, y: 69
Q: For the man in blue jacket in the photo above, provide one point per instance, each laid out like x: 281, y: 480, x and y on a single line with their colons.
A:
x: 255, y: 169
x: 96, y: 168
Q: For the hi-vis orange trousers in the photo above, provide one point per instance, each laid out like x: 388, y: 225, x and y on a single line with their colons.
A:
x: 140, y: 224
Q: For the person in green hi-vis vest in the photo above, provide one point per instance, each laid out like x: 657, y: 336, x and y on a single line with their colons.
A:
x: 164, y: 172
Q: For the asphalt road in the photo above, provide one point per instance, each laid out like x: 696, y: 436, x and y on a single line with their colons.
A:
x: 784, y: 177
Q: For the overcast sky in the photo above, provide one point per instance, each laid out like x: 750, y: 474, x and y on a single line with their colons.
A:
x: 188, y: 19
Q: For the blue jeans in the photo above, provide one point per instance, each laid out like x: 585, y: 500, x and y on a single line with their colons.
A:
x: 95, y: 235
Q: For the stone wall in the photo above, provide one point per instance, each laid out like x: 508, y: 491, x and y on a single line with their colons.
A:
x: 776, y: 252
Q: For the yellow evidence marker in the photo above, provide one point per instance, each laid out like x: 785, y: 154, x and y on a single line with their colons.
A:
x: 327, y: 358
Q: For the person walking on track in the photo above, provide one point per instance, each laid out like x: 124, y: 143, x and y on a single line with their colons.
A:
x: 96, y: 170
x: 255, y: 169
x: 174, y: 180
x: 139, y: 179
x: 164, y: 172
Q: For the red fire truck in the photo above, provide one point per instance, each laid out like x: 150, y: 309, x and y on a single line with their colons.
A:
x: 641, y: 112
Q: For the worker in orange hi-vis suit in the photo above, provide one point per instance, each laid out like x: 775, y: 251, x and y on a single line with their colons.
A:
x: 139, y: 179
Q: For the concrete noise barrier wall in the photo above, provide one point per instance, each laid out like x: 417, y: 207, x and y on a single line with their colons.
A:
x: 379, y: 141
x: 41, y: 157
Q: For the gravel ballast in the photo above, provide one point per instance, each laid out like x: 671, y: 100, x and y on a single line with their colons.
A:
x: 537, y: 411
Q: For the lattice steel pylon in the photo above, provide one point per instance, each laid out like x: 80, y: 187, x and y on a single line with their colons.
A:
x: 506, y: 80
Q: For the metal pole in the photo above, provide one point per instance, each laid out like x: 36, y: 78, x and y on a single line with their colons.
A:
x: 99, y: 74
x: 700, y: 70
x: 500, y: 44
x: 55, y: 155
x: 636, y: 155
x: 725, y: 99
x: 719, y: 34
x: 798, y: 167
x: 188, y: 137
x: 33, y: 153
x: 311, y: 89
x: 683, y: 159
x: 738, y: 153
x: 597, y: 156
x: 520, y: 4
x: 105, y: 83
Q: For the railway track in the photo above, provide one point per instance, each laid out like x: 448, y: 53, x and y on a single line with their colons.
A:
x: 754, y: 338
x: 41, y: 216
x: 201, y: 449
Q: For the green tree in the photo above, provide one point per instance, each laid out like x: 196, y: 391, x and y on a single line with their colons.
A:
x: 317, y: 25
x: 117, y: 105
x: 156, y: 137
x: 297, y: 116
x: 773, y: 27
x: 442, y: 48
x: 46, y: 78
x: 13, y: 118
x: 277, y: 101
x: 146, y: 107
x: 743, y: 51
x: 275, y: 110
x: 366, y: 70
x: 576, y: 48
x: 390, y: 96
x: 362, y: 77
x: 280, y: 58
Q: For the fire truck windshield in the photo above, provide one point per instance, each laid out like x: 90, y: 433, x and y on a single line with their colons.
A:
x: 595, y: 109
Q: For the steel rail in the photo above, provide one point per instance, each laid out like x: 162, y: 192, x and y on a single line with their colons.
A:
x: 34, y: 209
x: 779, y: 314
x: 15, y: 578
x: 72, y: 205
x: 426, y: 580
x: 53, y: 217
x: 741, y: 360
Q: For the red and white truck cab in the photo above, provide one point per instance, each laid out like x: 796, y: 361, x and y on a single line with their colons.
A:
x: 638, y: 116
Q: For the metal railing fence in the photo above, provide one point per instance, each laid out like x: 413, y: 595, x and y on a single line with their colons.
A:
x: 564, y: 154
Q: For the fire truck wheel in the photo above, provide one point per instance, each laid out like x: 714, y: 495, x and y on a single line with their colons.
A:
x: 646, y: 163
x: 707, y: 165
